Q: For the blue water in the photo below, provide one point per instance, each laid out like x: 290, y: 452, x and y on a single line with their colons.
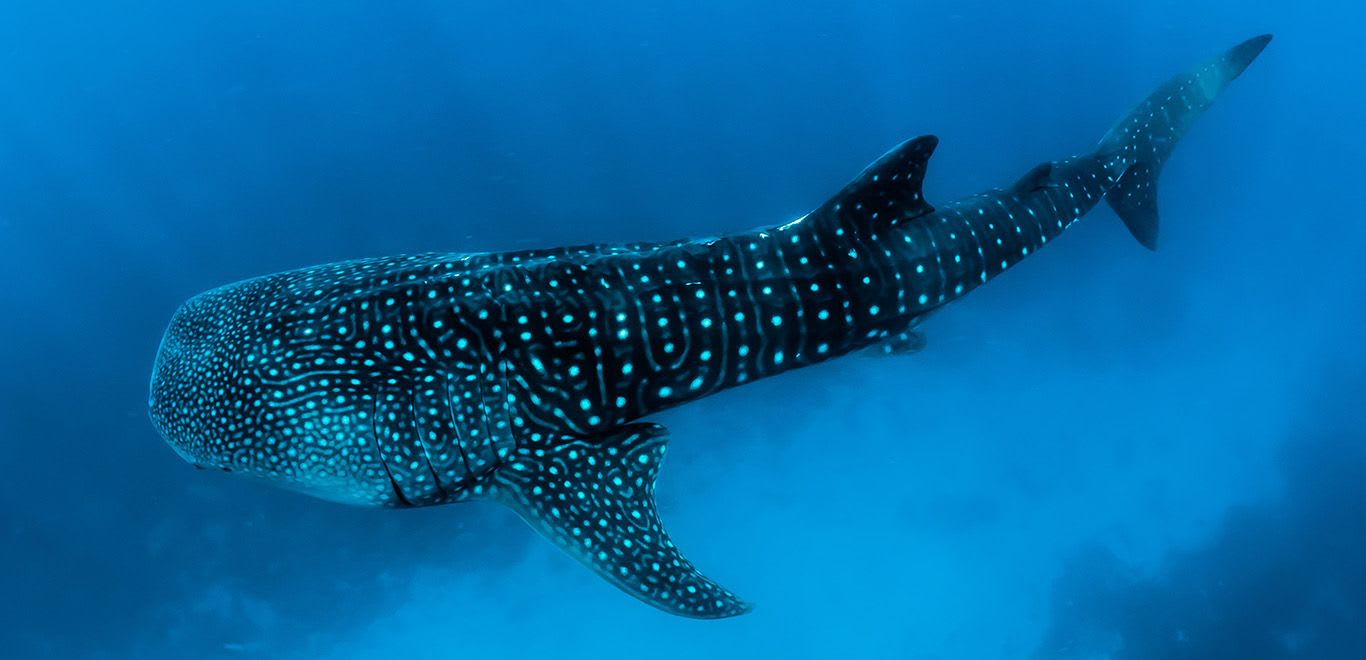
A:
x: 1104, y: 453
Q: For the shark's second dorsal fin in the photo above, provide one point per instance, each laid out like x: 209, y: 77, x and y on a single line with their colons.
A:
x: 595, y: 499
x: 1035, y: 179
x: 889, y: 190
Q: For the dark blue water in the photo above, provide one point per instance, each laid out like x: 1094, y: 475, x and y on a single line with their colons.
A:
x: 1105, y: 453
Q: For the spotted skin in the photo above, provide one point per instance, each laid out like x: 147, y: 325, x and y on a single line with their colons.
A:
x: 520, y: 377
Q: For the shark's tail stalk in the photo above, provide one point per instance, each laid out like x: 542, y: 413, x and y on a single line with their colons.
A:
x: 1135, y: 149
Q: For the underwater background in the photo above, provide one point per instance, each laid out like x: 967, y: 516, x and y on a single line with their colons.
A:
x: 1105, y: 453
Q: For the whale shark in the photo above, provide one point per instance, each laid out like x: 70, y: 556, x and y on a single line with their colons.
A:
x: 524, y: 378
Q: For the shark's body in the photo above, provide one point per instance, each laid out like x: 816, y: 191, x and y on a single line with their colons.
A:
x: 519, y: 377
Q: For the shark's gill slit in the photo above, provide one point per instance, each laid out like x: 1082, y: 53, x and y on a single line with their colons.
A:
x: 505, y: 399
x: 401, y: 500
x: 457, y: 440
x: 422, y: 441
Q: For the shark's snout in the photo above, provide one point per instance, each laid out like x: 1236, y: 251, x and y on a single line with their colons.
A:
x: 167, y: 352
x: 163, y: 401
x: 180, y: 397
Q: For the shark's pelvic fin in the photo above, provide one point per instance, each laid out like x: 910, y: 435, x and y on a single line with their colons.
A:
x: 1135, y: 149
x: 889, y: 190
x: 1134, y: 200
x: 902, y: 343
x: 595, y: 498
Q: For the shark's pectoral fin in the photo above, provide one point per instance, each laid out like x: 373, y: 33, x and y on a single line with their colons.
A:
x: 595, y: 498
x: 903, y: 343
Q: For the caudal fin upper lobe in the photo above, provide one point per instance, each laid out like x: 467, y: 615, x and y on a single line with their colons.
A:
x: 1136, y: 148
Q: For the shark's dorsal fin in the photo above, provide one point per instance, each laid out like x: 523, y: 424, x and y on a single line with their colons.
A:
x: 595, y: 499
x: 889, y: 190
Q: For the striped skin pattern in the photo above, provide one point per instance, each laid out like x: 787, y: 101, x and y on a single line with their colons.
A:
x: 520, y: 377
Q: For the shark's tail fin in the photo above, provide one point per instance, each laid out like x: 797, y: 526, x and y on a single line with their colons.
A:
x: 1135, y: 149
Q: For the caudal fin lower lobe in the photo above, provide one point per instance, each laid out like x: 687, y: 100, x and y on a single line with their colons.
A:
x: 1136, y: 148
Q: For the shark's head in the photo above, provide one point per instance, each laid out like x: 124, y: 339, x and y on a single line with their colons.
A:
x: 197, y: 381
x: 236, y: 387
